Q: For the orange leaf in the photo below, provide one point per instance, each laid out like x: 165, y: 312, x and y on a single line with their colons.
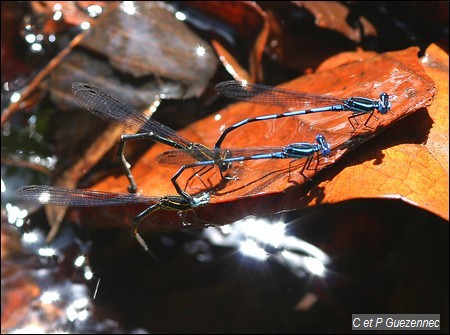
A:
x: 268, y: 186
x: 410, y: 162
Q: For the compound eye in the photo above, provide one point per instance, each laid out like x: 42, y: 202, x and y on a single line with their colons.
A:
x: 324, y: 146
x: 385, y: 105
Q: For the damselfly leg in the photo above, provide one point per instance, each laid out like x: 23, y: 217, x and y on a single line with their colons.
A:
x: 111, y: 109
x: 225, y: 157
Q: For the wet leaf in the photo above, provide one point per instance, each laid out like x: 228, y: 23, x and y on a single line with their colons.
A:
x: 269, y: 186
x: 140, y: 93
x: 250, y: 23
x: 153, y: 42
x: 151, y: 59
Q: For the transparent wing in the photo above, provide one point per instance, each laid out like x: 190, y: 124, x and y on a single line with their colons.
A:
x: 113, y: 110
x: 79, y: 198
x: 269, y: 95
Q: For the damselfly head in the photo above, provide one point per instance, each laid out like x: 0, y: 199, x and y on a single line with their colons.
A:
x: 324, y: 146
x: 384, y: 105
x: 225, y: 166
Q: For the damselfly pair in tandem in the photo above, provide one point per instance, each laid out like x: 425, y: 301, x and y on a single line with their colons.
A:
x: 190, y: 154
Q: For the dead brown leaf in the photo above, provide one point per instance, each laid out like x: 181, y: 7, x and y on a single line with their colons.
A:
x: 268, y: 186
